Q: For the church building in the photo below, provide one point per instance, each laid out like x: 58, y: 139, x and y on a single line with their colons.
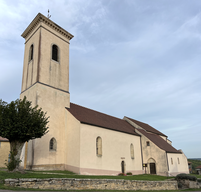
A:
x: 83, y: 140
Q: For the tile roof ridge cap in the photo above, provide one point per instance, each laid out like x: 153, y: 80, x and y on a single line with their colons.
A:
x: 148, y: 125
x: 96, y: 111
x: 138, y: 121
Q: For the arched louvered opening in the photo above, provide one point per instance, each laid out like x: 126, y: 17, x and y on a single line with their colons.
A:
x: 31, y: 52
x: 55, y: 53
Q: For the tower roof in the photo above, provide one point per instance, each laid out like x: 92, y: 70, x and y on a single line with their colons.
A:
x: 41, y: 18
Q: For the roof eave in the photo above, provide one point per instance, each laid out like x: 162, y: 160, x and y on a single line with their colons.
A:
x: 41, y: 18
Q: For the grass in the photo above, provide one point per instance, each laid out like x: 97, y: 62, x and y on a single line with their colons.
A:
x: 66, y: 174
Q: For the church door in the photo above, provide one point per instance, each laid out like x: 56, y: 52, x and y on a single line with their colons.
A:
x: 122, y: 167
x: 152, y: 168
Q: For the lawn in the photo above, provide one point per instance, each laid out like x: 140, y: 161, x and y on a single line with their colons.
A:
x: 66, y: 174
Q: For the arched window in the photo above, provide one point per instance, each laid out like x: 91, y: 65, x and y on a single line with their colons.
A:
x: 99, y: 146
x: 132, y: 151
x: 53, y: 144
x: 172, y: 161
x: 31, y: 53
x: 178, y: 160
x: 55, y: 53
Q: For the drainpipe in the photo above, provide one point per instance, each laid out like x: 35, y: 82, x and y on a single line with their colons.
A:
x: 141, y: 152
x: 167, y: 164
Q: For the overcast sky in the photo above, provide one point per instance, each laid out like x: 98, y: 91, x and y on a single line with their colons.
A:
x: 135, y: 58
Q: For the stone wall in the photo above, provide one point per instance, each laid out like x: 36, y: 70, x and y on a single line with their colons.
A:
x: 81, y: 184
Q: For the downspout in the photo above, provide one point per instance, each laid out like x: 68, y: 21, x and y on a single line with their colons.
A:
x: 141, y: 151
x: 167, y: 163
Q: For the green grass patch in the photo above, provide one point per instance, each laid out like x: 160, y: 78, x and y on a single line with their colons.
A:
x: 67, y: 174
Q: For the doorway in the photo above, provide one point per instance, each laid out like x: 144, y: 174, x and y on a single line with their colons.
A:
x: 123, y: 167
x: 152, y: 168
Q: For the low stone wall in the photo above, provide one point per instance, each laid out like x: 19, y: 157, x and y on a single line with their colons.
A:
x: 185, y: 183
x: 81, y: 184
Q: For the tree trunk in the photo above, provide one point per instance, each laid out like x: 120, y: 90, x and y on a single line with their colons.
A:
x: 16, y: 149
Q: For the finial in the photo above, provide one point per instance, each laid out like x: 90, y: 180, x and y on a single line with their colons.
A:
x: 48, y: 16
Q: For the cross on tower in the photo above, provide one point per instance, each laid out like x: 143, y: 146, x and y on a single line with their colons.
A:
x: 48, y: 16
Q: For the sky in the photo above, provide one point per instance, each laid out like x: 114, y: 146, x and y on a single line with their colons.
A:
x: 134, y: 58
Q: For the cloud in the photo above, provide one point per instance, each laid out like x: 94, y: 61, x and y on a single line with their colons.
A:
x: 128, y: 58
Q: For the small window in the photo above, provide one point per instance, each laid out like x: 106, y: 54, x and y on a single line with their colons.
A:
x: 53, y: 144
x: 172, y: 161
x: 99, y: 146
x: 178, y: 161
x: 55, y: 53
x: 132, y: 151
x: 148, y: 143
x: 31, y: 53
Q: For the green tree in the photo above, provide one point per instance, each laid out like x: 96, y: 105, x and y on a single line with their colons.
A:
x: 19, y: 123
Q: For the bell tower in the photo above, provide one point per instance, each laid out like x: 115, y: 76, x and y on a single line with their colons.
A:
x: 46, y: 61
x: 45, y: 82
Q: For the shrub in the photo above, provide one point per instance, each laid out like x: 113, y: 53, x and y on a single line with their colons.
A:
x: 12, y: 163
x: 129, y: 173
x: 121, y: 174
x: 179, y: 185
x: 185, y: 176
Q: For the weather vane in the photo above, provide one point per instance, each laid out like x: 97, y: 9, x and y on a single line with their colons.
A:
x: 48, y: 16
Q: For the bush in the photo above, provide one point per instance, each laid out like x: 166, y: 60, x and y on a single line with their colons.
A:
x: 12, y: 163
x: 185, y: 176
x: 129, y: 173
x: 179, y: 185
x: 121, y: 174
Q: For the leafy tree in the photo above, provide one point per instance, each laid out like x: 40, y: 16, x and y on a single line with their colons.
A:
x: 19, y: 123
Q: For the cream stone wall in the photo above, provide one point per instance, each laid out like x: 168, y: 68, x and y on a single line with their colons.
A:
x: 115, y: 149
x: 42, y: 68
x: 153, y: 154
x: 178, y: 163
x: 72, y: 143
x: 4, y: 152
x: 29, y: 76
x: 52, y: 101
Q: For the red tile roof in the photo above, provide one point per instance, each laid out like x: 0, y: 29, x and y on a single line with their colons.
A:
x: 198, y: 167
x: 3, y: 139
x: 160, y: 142
x: 146, y: 127
x: 91, y: 117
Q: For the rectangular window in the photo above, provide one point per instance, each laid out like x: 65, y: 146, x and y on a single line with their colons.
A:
x: 148, y: 143
x: 178, y: 161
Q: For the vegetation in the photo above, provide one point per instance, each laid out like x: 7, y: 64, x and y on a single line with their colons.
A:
x: 19, y: 123
x: 185, y: 176
x: 66, y: 174
x: 195, y: 163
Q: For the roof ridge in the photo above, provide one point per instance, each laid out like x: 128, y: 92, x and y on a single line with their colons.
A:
x: 97, y: 111
x: 139, y: 121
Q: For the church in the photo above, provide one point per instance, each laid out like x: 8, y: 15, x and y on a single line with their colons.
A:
x: 83, y: 140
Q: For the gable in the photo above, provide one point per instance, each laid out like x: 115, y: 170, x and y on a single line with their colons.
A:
x: 91, y: 117
x: 160, y: 142
x: 147, y: 127
x: 3, y: 139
